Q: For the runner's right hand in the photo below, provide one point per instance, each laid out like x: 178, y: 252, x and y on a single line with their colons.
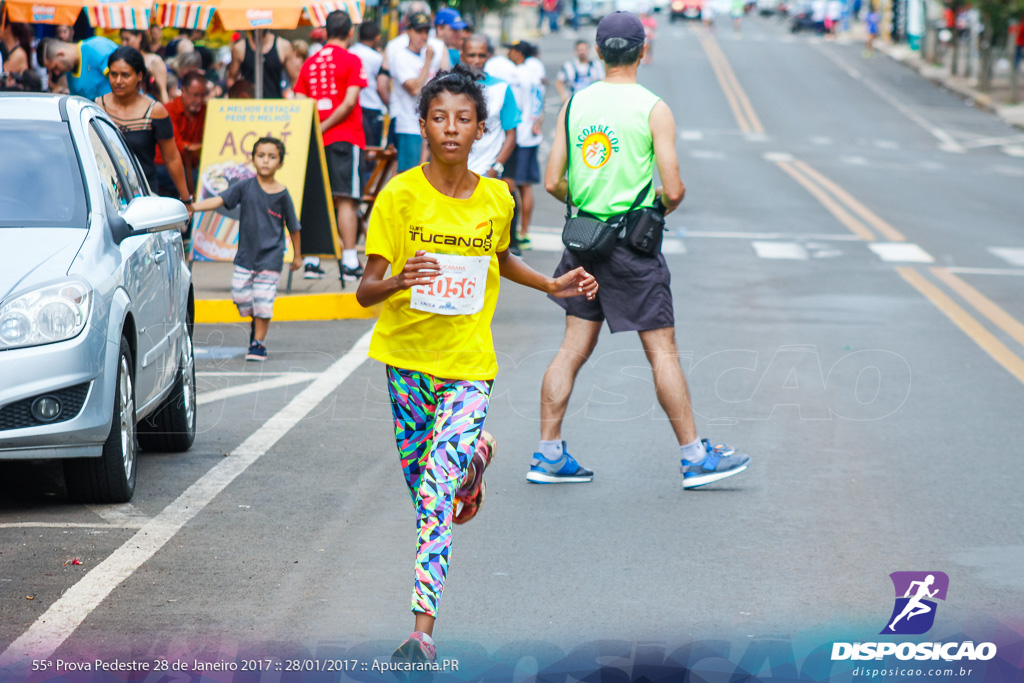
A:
x: 421, y: 269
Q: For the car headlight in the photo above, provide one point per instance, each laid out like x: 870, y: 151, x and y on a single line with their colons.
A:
x: 48, y: 314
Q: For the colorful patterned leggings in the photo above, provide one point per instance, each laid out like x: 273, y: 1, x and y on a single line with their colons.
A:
x: 437, y: 424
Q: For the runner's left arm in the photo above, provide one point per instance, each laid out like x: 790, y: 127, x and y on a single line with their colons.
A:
x: 574, y: 283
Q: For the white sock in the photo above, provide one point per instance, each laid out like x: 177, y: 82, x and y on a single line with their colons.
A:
x: 314, y: 260
x: 552, y: 450
x: 349, y: 258
x: 694, y: 451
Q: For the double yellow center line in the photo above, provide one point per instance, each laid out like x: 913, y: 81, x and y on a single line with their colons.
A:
x: 738, y: 100
x: 978, y: 333
x: 847, y: 210
x: 864, y: 223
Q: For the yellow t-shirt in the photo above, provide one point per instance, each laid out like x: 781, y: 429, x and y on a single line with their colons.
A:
x: 410, y: 215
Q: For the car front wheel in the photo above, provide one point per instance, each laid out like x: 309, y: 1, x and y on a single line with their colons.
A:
x: 110, y: 478
x: 172, y: 428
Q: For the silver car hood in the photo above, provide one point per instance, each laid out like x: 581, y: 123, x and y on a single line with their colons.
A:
x: 30, y: 256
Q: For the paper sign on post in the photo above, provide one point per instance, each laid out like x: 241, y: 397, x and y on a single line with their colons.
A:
x: 458, y: 290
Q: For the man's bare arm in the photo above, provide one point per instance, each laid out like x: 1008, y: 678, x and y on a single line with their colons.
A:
x: 663, y: 130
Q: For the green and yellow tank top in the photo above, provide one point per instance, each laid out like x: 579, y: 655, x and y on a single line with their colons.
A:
x: 611, y: 147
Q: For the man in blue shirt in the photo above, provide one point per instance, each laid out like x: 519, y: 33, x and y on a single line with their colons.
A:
x: 84, y: 63
x: 491, y: 151
x: 448, y: 24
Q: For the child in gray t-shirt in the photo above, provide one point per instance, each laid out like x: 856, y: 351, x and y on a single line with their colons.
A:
x: 266, y: 209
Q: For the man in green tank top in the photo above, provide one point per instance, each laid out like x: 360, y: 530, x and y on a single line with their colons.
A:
x: 618, y: 132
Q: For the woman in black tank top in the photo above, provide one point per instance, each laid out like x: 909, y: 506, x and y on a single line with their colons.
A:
x: 273, y: 69
x: 143, y: 121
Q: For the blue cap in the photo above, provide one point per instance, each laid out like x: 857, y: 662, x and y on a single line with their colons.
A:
x: 449, y: 17
x: 620, y: 25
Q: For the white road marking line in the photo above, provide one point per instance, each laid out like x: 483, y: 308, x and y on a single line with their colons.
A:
x: 993, y: 141
x: 770, y: 236
x: 691, y: 135
x: 552, y: 242
x: 250, y: 387
x: 241, y: 374
x: 777, y: 157
x: 545, y: 241
x: 707, y: 154
x: 137, y: 524
x: 984, y: 271
x: 780, y: 250
x: 886, y: 144
x: 854, y: 161
x: 673, y: 247
x: 1013, y: 151
x: 948, y: 142
x: 821, y: 140
x: 65, y: 615
x: 905, y: 252
x: 1013, y: 256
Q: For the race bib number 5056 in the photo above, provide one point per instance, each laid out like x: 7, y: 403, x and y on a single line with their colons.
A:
x: 458, y: 290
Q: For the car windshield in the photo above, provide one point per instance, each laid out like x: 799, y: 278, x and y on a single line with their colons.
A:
x: 40, y: 179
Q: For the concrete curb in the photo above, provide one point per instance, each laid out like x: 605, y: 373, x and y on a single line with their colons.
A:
x: 294, y: 307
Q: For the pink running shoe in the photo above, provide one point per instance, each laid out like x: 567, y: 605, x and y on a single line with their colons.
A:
x: 470, y: 497
x: 417, y: 648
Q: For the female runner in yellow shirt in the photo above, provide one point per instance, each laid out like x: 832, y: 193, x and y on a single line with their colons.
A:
x: 444, y: 231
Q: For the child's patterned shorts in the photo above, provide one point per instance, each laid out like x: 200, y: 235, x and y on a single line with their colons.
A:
x: 254, y: 291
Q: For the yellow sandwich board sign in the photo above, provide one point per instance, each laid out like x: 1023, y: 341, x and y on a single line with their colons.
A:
x: 232, y: 128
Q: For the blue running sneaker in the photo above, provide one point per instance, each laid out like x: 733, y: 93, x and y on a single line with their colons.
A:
x: 565, y: 470
x: 719, y: 463
x: 257, y: 351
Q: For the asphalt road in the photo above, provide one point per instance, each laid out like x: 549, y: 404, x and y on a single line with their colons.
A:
x: 847, y: 271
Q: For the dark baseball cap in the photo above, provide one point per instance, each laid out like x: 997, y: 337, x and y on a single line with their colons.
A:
x: 620, y: 25
x: 522, y: 47
x: 419, y: 21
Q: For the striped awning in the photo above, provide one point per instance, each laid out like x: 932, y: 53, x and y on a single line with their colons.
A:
x: 317, y: 10
x: 193, y: 15
x: 106, y: 14
x: 246, y: 15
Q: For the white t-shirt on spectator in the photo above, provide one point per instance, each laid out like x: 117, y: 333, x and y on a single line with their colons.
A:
x: 530, y: 98
x: 372, y: 60
x: 401, y: 42
x: 503, y: 69
x: 405, y: 65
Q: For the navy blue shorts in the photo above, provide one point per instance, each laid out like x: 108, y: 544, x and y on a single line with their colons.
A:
x: 634, y: 295
x: 522, y: 166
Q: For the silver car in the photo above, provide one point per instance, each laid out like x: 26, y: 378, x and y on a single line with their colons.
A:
x: 96, y: 300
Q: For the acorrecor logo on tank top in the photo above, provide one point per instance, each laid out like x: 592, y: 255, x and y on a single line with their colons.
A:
x: 597, y: 144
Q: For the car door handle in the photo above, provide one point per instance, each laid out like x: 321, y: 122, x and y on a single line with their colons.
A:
x: 159, y: 256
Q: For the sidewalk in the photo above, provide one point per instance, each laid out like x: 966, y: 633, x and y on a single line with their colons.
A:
x: 994, y: 101
x: 309, y: 299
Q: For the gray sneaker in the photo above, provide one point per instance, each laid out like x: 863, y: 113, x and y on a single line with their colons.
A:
x: 719, y: 462
x: 565, y: 470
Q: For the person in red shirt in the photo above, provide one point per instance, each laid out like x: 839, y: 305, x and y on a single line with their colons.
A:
x: 333, y: 78
x: 188, y: 116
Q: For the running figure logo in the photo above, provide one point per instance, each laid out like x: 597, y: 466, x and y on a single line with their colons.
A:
x: 914, y: 611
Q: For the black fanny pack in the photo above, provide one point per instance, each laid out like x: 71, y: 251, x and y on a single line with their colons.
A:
x: 592, y: 239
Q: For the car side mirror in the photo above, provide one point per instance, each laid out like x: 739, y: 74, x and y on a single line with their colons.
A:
x: 153, y: 214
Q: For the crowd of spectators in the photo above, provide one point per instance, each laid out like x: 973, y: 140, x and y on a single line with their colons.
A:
x: 157, y: 90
